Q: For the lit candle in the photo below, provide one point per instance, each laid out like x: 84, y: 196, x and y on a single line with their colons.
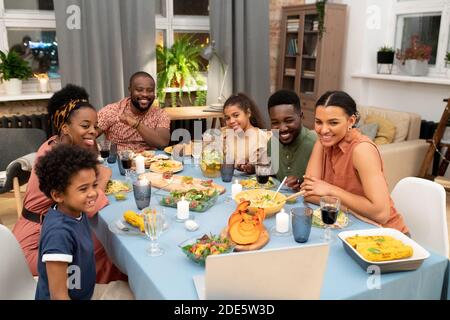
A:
x: 43, y: 84
x: 282, y: 222
x: 236, y: 187
x: 183, y: 209
x: 140, y: 164
x: 143, y: 182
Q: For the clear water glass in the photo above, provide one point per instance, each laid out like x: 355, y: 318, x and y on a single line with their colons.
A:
x: 154, y: 226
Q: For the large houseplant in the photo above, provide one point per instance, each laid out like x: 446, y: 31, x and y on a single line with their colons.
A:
x: 416, y: 57
x: 178, y: 66
x: 13, y: 69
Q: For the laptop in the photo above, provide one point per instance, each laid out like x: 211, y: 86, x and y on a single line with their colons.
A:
x: 287, y: 273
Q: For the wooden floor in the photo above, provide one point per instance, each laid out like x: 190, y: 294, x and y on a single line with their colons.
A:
x: 8, y: 213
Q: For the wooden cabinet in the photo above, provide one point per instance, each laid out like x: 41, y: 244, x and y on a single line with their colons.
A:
x: 308, y: 64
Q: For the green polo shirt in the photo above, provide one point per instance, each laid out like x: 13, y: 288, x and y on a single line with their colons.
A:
x: 294, y: 157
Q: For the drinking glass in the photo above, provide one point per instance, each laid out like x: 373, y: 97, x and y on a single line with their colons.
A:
x: 126, y: 158
x: 301, y: 219
x: 226, y: 171
x: 196, y: 151
x: 329, y: 207
x: 154, y: 225
x: 142, y: 190
x: 104, y: 146
x: 263, y: 172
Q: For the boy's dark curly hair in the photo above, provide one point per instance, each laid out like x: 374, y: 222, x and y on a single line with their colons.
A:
x: 284, y: 96
x: 57, y: 167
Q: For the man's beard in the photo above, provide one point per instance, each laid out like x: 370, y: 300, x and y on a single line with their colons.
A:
x: 137, y: 105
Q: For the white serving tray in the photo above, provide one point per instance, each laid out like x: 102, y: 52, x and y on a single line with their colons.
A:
x: 411, y: 263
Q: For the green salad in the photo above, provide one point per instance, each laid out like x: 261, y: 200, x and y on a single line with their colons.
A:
x: 199, y: 200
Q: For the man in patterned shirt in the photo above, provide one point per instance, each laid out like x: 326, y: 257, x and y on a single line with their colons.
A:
x: 133, y: 123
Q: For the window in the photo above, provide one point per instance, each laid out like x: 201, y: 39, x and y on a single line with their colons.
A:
x: 176, y: 17
x: 430, y: 21
x: 28, y: 27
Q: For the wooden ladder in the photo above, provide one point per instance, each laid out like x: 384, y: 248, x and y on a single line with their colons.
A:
x: 435, y: 143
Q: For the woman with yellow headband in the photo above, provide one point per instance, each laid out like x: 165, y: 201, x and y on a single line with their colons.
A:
x: 75, y: 122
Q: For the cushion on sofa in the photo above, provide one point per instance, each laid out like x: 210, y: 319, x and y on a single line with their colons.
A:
x: 402, y: 120
x: 386, y: 129
x: 369, y: 129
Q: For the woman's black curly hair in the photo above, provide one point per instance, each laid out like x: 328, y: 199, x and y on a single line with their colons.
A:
x: 57, y: 167
x: 66, y: 94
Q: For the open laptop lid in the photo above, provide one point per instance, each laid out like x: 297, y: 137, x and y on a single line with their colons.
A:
x: 285, y: 273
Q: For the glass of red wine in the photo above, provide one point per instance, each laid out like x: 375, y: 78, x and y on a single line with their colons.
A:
x: 329, y: 207
x: 104, y: 146
x: 263, y: 172
x: 126, y: 158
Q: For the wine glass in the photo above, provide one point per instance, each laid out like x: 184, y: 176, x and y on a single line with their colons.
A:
x: 126, y: 157
x: 263, y: 172
x: 154, y: 225
x: 142, y: 191
x: 104, y: 146
x: 329, y: 207
x: 196, y: 151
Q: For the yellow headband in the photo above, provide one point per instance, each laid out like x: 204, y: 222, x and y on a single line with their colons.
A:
x: 63, y: 113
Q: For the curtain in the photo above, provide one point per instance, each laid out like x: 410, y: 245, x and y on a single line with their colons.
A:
x: 101, y: 43
x: 240, y: 29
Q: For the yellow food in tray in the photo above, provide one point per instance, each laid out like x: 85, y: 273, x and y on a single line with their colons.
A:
x: 380, y: 248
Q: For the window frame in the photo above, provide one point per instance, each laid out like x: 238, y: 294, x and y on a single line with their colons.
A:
x: 170, y: 24
x: 414, y: 7
x: 26, y: 19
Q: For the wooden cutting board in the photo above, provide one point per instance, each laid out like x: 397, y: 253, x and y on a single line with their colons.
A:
x: 177, y: 183
x: 262, y: 241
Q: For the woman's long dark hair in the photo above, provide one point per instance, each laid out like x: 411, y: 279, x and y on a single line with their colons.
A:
x: 246, y: 104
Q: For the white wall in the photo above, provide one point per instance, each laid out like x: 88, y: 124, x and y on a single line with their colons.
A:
x: 369, y: 26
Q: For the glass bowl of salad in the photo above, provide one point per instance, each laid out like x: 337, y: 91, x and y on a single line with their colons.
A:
x: 199, y: 200
x: 198, y: 248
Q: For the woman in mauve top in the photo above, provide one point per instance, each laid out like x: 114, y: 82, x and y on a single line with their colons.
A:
x: 75, y: 120
x: 346, y: 164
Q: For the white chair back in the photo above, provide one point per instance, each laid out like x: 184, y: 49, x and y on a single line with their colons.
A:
x: 16, y: 280
x: 423, y: 206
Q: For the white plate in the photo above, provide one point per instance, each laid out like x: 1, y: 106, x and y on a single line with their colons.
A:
x: 411, y: 263
x: 120, y: 226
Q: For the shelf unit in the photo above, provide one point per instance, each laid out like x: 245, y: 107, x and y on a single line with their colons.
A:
x: 314, y: 67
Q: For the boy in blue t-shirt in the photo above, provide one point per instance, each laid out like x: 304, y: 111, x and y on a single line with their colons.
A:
x: 66, y: 265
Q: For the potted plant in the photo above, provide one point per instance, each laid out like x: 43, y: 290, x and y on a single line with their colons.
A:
x: 416, y: 57
x: 13, y: 69
x: 385, y: 55
x: 178, y: 66
x: 320, y: 7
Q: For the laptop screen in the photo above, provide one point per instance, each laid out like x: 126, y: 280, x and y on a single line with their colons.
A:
x: 285, y: 273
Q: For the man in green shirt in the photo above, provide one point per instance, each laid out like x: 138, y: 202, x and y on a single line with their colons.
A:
x: 295, y: 142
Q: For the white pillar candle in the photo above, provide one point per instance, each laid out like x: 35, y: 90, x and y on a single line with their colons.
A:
x: 183, y: 209
x: 282, y: 222
x: 143, y: 182
x: 140, y: 164
x: 236, y: 187
x: 43, y: 84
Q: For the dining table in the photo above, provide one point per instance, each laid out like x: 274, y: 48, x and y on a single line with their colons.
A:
x: 170, y: 276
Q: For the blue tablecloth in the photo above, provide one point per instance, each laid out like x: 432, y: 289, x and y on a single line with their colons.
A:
x: 170, y: 275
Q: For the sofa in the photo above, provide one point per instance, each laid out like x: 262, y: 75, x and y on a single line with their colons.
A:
x: 403, y: 157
